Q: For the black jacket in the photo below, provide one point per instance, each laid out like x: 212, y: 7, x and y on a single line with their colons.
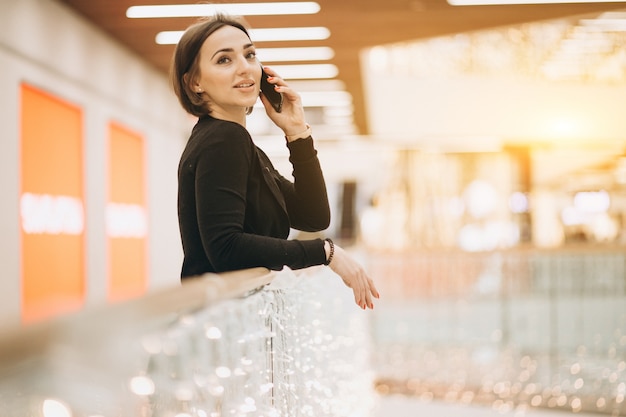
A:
x: 235, y: 210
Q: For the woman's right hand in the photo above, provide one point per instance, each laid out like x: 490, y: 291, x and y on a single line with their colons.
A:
x: 355, y: 277
x: 291, y: 120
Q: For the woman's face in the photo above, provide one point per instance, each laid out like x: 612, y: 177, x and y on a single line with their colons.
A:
x: 230, y: 73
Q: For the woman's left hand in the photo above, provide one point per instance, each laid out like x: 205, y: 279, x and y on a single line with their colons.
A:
x: 355, y: 277
x: 291, y: 119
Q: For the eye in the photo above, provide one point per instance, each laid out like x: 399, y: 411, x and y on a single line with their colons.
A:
x: 223, y: 60
x: 251, y: 55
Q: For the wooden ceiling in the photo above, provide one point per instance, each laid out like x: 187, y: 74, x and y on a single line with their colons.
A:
x: 354, y: 25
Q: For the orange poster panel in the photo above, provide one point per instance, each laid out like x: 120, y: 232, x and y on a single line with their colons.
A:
x: 126, y: 222
x: 51, y: 206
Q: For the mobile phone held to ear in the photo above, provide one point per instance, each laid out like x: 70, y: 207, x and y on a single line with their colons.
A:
x: 275, y: 98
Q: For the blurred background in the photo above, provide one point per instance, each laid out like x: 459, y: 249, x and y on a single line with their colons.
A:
x: 475, y: 156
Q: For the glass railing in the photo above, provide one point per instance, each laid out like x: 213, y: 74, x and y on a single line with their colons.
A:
x: 511, y: 330
x: 247, y: 343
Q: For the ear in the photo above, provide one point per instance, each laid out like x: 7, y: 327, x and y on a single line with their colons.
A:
x: 192, y: 84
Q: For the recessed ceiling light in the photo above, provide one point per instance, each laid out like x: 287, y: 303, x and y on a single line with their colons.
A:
x: 313, y: 53
x: 241, y: 9
x: 510, y: 2
x: 304, y: 72
x: 607, y: 22
x: 290, y: 34
x: 260, y: 35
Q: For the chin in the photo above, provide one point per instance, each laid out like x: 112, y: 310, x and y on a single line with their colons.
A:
x: 250, y: 103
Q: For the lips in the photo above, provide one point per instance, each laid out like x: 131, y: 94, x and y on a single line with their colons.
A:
x: 245, y: 84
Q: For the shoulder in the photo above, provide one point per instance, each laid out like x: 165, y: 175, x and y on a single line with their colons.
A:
x: 211, y: 134
x: 216, y: 130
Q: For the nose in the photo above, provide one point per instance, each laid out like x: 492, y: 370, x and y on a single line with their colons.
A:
x: 244, y: 65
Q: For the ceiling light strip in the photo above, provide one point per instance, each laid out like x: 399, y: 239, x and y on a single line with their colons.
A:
x: 511, y: 2
x: 604, y: 25
x: 241, y: 9
x: 314, y: 53
x: 260, y: 35
x: 306, y: 72
x: 313, y: 33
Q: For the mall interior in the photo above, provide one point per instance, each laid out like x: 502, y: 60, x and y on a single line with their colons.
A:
x: 475, y: 161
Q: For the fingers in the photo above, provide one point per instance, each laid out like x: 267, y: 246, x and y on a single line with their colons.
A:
x: 269, y: 71
x: 373, y: 289
x: 274, y: 78
x: 365, y: 295
x: 283, y: 87
x: 359, y: 296
x: 356, y: 278
x: 364, y: 291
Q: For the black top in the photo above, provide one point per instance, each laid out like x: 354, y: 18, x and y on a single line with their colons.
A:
x: 235, y: 210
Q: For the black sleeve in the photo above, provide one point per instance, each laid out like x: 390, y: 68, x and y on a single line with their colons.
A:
x: 222, y: 172
x: 306, y: 198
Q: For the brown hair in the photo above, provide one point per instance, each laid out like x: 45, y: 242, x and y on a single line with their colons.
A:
x: 184, y: 66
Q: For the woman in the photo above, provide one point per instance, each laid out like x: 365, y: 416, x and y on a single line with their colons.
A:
x: 235, y: 210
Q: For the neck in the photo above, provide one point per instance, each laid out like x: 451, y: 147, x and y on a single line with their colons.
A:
x: 237, y: 115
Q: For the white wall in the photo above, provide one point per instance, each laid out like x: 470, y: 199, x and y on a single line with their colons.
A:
x: 46, y: 45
